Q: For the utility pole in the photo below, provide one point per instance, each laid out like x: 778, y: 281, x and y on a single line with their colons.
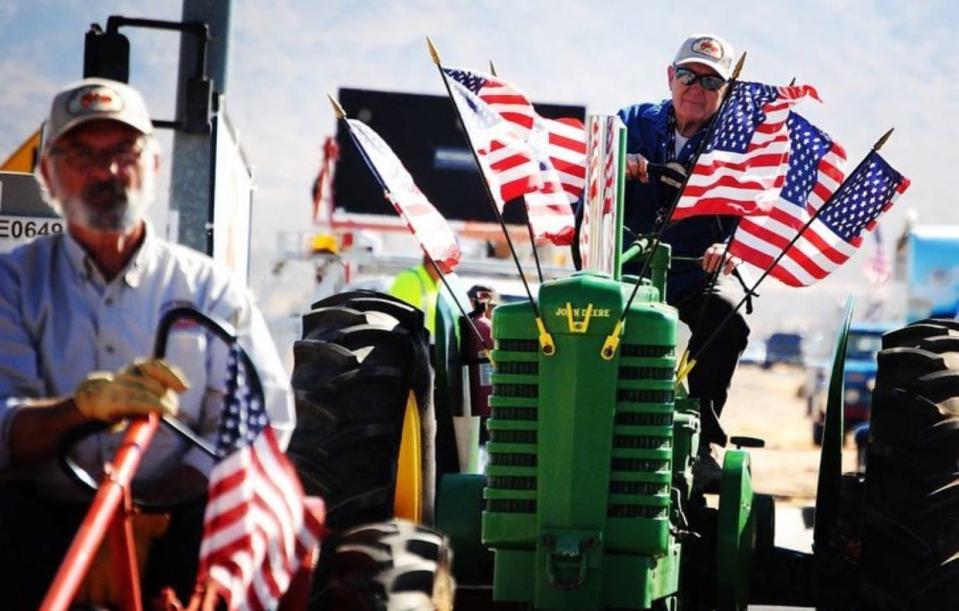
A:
x: 191, y: 184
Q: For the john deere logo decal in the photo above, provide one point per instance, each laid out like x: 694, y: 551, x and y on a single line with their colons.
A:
x: 578, y: 318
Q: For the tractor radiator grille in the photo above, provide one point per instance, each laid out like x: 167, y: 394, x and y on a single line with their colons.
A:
x: 648, y: 488
x: 637, y: 511
x: 512, y: 482
x: 645, y: 443
x: 645, y: 373
x: 640, y: 464
x: 528, y: 391
x: 512, y: 459
x: 644, y: 395
x: 517, y: 345
x: 512, y: 436
x: 518, y: 367
x: 511, y: 506
x: 514, y: 413
x: 644, y: 419
x: 647, y: 351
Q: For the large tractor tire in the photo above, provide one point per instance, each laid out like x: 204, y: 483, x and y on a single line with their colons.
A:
x: 389, y: 566
x: 362, y: 358
x: 910, y: 538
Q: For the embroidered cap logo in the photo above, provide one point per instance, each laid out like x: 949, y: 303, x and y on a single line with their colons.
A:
x: 93, y: 100
x: 708, y: 46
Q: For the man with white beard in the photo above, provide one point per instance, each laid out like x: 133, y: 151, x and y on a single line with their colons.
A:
x: 78, y: 315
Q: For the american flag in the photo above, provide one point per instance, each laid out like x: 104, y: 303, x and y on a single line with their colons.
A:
x: 600, y: 183
x: 426, y: 223
x: 506, y: 159
x: 833, y: 236
x: 743, y: 165
x: 878, y: 269
x: 560, y: 144
x: 499, y: 113
x: 256, y: 532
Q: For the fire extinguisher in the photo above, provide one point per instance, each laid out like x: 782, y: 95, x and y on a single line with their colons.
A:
x: 477, y: 369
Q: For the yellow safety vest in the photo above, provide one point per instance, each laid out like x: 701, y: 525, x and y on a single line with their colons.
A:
x: 417, y: 288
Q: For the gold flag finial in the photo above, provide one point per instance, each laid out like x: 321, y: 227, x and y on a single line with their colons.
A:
x: 433, y: 52
x: 340, y: 113
x: 882, y: 140
x: 739, y: 66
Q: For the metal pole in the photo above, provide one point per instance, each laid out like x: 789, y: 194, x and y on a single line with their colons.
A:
x: 101, y: 514
x: 191, y: 193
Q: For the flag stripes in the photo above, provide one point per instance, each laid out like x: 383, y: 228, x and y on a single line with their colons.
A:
x: 516, y: 151
x: 743, y: 164
x: 257, y: 532
x: 815, y: 180
x: 423, y: 220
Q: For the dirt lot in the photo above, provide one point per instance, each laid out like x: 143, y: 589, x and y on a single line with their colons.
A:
x: 765, y: 404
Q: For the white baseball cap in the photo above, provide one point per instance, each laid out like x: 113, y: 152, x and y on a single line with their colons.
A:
x: 707, y: 49
x: 95, y: 99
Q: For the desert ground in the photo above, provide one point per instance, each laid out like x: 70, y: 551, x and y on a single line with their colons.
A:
x: 767, y: 404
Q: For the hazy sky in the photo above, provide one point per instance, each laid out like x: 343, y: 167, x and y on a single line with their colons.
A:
x: 876, y: 65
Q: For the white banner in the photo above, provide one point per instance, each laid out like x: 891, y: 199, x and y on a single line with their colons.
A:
x: 17, y: 230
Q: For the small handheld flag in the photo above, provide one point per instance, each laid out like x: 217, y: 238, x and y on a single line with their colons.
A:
x: 743, y: 163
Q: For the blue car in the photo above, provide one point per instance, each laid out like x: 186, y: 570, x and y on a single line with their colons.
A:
x: 865, y: 341
x: 783, y: 348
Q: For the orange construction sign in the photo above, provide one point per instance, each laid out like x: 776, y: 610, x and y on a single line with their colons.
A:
x: 25, y: 157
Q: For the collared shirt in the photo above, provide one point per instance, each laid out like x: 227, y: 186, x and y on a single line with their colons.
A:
x: 60, y: 320
x: 650, y: 131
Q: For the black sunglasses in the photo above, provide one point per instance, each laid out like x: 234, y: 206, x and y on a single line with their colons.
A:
x: 709, y: 82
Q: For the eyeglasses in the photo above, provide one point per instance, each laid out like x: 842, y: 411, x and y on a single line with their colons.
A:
x: 709, y: 82
x: 82, y: 158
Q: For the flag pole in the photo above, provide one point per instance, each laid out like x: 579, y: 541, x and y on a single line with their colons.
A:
x: 529, y: 224
x: 545, y: 339
x: 681, y: 375
x: 341, y: 115
x: 612, y: 341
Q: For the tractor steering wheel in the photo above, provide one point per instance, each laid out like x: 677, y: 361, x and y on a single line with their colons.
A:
x: 86, y: 481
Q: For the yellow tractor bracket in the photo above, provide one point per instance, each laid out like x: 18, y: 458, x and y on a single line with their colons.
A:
x: 545, y: 339
x: 612, y: 342
x: 581, y: 326
x: 685, y: 366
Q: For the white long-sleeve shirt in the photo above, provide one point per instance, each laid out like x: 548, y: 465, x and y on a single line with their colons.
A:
x: 59, y: 321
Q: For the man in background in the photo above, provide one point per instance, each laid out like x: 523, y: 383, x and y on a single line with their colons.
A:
x: 78, y: 315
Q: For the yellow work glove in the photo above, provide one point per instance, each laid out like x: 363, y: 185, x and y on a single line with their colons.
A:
x: 145, y: 387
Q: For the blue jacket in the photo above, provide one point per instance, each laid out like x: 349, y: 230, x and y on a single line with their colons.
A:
x: 649, y: 132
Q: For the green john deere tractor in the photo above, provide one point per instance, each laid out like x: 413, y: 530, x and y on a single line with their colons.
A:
x: 587, y: 501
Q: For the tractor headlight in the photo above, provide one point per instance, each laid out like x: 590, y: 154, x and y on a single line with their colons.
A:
x: 852, y: 395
